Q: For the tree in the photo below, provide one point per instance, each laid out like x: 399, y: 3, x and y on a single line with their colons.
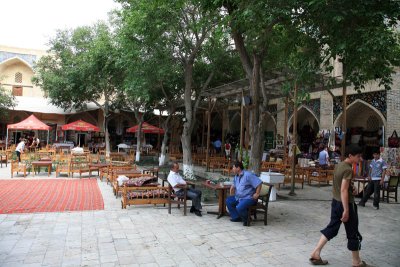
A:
x: 7, y: 101
x: 255, y: 27
x: 361, y: 34
x: 181, y: 28
x: 82, y: 67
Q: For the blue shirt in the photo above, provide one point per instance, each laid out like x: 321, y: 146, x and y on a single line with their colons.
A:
x: 245, y: 185
x: 377, y: 167
x: 323, y: 157
x: 217, y: 144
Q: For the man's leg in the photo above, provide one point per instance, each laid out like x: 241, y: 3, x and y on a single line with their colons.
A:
x: 368, y: 192
x: 19, y: 156
x: 330, y: 231
x: 243, y: 208
x: 377, y: 193
x: 231, y: 203
x: 195, y: 196
x: 353, y: 235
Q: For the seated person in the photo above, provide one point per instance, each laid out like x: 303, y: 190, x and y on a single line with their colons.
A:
x: 35, y: 142
x: 177, y: 183
x: 244, y: 191
x: 323, y: 157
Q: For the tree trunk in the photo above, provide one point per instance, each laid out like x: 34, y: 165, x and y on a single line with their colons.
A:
x: 138, y: 142
x: 256, y: 121
x: 106, y: 134
x: 186, y: 137
x: 163, y: 153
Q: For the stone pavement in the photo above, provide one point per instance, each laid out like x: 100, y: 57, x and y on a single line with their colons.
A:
x: 149, y: 236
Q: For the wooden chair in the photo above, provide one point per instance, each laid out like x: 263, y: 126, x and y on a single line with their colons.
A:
x: 3, y: 159
x: 64, y: 165
x: 17, y: 167
x: 174, y: 199
x: 79, y: 167
x: 390, y: 187
x: 261, y: 205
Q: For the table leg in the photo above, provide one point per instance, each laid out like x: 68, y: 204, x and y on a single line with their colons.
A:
x: 49, y: 170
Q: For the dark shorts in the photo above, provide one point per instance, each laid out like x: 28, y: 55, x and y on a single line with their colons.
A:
x: 354, y: 237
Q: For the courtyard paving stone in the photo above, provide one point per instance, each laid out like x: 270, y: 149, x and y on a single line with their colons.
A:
x: 149, y: 236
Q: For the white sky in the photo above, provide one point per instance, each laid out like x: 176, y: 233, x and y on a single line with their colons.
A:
x: 31, y: 23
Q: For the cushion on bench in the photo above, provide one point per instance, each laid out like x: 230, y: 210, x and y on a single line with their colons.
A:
x: 156, y: 193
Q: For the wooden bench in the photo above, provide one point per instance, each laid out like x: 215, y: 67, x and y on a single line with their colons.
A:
x: 144, y: 195
x: 117, y: 188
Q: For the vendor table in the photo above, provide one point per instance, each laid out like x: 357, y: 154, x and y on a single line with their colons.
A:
x: 38, y: 164
x: 272, y: 178
x: 222, y: 190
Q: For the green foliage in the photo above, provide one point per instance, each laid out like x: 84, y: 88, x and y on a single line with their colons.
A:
x: 361, y: 33
x: 81, y: 67
x: 7, y: 101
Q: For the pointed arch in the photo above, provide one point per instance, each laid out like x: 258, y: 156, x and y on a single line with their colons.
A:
x: 14, y: 60
x: 234, y: 122
x: 360, y: 102
x: 308, y: 110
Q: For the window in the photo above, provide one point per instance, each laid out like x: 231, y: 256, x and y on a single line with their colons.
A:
x: 18, y: 77
x: 17, y: 91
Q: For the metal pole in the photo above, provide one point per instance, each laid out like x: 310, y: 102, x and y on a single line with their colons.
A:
x: 285, y: 131
x: 294, y: 141
x: 7, y: 139
x: 48, y: 137
x: 241, y: 128
x: 344, y: 120
x: 208, y: 135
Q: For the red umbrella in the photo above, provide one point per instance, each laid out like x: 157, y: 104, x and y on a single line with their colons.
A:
x: 80, y: 125
x: 146, y: 128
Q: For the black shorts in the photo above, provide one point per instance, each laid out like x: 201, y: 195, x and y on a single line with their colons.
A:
x: 353, y: 236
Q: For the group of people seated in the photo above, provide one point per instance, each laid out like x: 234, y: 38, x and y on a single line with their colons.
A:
x: 244, y: 192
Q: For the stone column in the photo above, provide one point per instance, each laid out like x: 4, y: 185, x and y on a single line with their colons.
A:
x: 326, y: 113
x: 393, y: 108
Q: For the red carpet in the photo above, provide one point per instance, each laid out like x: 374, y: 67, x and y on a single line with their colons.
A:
x: 53, y: 195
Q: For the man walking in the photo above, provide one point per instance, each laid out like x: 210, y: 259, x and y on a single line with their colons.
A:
x: 343, y: 209
x: 377, y: 171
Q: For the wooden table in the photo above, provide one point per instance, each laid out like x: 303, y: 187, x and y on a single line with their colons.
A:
x: 38, y: 164
x: 97, y: 167
x: 152, y: 171
x: 362, y: 180
x: 222, y: 195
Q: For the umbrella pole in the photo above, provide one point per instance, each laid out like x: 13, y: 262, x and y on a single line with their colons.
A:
x: 48, y: 137
x: 7, y: 139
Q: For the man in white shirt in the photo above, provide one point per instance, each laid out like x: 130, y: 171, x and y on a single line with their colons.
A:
x: 20, y: 149
x: 177, y: 183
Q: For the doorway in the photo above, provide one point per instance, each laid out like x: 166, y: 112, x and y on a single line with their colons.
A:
x: 81, y: 139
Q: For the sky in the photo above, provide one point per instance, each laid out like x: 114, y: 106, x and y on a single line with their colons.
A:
x: 31, y: 23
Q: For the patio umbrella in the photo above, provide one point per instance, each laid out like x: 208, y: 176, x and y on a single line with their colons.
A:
x: 30, y: 123
x: 81, y: 126
x: 146, y: 128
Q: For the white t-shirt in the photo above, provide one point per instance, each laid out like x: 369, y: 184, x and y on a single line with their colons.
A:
x: 174, y: 179
x: 20, y: 147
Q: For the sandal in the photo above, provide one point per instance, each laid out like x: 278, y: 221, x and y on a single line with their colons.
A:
x: 362, y: 264
x: 318, y: 261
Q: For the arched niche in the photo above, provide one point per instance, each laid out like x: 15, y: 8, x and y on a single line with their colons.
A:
x: 362, y: 114
x: 307, y: 127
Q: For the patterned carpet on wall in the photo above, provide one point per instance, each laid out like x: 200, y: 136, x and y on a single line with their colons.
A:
x: 49, y: 195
